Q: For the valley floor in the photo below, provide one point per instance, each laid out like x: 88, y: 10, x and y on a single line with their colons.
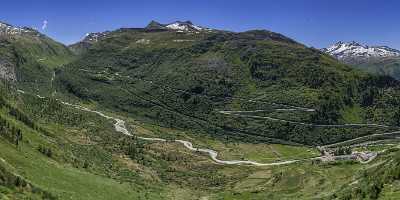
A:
x: 91, y: 159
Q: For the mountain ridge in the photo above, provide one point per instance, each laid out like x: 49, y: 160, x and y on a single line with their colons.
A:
x: 8, y: 29
x: 355, y: 50
x: 382, y: 60
x: 178, y: 27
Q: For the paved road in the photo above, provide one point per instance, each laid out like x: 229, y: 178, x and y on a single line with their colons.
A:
x: 119, y: 126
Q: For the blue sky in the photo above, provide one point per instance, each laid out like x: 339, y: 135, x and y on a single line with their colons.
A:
x: 315, y: 23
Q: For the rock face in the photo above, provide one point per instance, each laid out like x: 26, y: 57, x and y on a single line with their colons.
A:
x: 7, y: 68
x: 7, y: 29
x: 7, y: 71
x: 346, y: 51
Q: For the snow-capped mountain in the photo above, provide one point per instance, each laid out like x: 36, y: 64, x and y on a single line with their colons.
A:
x: 184, y: 26
x: 7, y: 29
x: 381, y: 60
x: 354, y: 50
x: 179, y: 26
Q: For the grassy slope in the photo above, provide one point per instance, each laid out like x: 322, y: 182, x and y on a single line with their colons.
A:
x: 378, y: 181
x: 64, y: 181
x: 62, y: 174
x: 34, y: 57
x: 161, y: 171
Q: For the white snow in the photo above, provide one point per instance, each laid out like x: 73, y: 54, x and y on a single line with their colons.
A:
x: 343, y: 50
x: 197, y: 27
x: 95, y: 37
x: 178, y: 26
x: 186, y: 27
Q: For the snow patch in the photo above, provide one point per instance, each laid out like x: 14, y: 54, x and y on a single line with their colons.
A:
x: 186, y: 27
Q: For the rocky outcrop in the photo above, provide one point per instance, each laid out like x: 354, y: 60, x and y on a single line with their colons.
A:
x: 7, y: 71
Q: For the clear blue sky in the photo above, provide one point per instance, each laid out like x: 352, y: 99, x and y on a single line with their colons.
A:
x: 315, y: 23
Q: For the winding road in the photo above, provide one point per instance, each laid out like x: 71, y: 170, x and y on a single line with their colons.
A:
x: 120, y: 127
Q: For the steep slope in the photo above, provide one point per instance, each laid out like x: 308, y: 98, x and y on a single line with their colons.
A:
x: 42, y: 157
x: 28, y: 57
x: 375, y: 59
x: 180, y: 78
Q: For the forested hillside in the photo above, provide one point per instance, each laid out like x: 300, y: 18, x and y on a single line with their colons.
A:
x: 28, y: 57
x: 183, y: 79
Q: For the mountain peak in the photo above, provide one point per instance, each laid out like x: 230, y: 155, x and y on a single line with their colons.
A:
x: 353, y: 49
x: 339, y: 43
x: 179, y: 26
x: 154, y: 25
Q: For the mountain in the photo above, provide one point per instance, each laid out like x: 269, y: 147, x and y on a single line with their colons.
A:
x: 182, y: 80
x: 353, y: 50
x: 182, y: 113
x: 90, y: 38
x: 28, y: 57
x: 7, y: 67
x: 381, y: 60
x: 178, y: 26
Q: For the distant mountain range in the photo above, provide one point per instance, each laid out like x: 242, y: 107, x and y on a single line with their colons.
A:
x: 381, y: 60
x: 354, y: 50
